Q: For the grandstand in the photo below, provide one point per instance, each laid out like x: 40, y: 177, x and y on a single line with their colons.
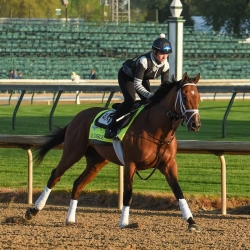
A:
x: 44, y: 49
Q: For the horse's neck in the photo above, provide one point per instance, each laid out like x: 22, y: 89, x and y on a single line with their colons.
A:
x: 158, y: 120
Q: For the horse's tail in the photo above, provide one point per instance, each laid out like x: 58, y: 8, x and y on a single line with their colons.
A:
x: 56, y: 138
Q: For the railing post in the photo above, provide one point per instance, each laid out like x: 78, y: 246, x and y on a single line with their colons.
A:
x: 30, y: 176
x: 77, y: 92
x: 11, y: 93
x: 226, y: 114
x: 109, y: 99
x: 223, y: 185
x: 78, y: 98
x: 16, y: 109
x: 32, y: 98
x: 55, y: 101
x: 120, y: 187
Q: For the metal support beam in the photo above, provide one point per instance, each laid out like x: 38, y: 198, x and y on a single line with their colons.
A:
x: 226, y: 114
x: 32, y: 97
x: 11, y: 93
x: 53, y: 109
x: 109, y: 99
x: 120, y: 11
x: 16, y: 109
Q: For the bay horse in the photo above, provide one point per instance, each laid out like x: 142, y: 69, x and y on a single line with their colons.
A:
x: 150, y: 142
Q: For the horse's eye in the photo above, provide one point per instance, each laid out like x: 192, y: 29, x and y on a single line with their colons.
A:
x: 184, y: 98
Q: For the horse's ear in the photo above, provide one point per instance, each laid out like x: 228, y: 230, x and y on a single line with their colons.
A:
x: 197, y: 78
x: 184, y: 77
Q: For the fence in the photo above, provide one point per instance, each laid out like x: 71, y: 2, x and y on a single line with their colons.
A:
x: 27, y: 142
x: 59, y: 86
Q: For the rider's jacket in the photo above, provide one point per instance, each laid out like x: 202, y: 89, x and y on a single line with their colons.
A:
x: 145, y: 67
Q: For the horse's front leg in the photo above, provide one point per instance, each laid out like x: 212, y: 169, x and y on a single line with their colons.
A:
x: 171, y: 174
x: 129, y: 171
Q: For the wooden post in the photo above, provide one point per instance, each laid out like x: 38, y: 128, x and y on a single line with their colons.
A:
x: 120, y: 187
x: 223, y: 186
x: 30, y: 176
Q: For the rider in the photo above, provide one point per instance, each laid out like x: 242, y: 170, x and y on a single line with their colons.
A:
x: 134, y: 76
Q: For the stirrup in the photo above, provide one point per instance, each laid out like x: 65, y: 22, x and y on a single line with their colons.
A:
x: 110, y: 134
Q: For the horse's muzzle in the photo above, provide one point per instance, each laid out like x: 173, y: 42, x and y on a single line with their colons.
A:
x: 194, y: 125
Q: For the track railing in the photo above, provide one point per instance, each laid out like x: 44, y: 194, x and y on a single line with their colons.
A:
x: 111, y: 86
x: 28, y: 142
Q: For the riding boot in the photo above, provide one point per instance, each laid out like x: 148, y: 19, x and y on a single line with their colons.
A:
x: 123, y: 108
x: 111, y: 130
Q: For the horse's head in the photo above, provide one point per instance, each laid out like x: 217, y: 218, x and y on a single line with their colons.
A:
x: 187, y: 101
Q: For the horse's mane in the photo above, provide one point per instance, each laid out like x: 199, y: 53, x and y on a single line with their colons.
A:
x: 164, y: 89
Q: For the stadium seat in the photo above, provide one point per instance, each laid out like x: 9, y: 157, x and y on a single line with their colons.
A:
x: 41, y: 49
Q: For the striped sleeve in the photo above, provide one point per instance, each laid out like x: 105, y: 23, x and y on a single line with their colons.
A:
x: 142, y: 65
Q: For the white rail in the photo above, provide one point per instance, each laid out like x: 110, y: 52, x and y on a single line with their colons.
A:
x: 218, y: 148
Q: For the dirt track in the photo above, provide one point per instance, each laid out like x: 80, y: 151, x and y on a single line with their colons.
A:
x: 97, y: 228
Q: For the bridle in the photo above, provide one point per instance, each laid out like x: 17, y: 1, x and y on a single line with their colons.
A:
x: 182, y: 106
x: 183, y: 109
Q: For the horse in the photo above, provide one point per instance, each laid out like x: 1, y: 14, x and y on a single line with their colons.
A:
x: 149, y: 142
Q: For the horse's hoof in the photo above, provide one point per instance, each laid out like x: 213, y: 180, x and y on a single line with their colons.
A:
x: 132, y: 225
x: 124, y: 225
x: 70, y: 224
x: 30, y: 213
x: 193, y: 228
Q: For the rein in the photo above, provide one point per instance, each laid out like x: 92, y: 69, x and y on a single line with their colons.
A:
x: 159, y: 160
x: 169, y: 113
x: 175, y: 116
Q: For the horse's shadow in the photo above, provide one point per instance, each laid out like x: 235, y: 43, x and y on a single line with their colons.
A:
x: 235, y: 214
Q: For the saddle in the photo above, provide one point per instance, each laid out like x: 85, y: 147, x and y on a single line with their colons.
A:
x: 105, y: 118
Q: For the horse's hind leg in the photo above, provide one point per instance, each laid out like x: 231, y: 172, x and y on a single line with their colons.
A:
x: 95, y: 163
x: 69, y: 158
x: 170, y: 173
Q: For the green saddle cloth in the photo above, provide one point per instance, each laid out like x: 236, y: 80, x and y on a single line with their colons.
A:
x: 97, y: 133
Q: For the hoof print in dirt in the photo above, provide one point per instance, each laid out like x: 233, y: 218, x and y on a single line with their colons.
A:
x: 194, y: 228
x: 16, y: 220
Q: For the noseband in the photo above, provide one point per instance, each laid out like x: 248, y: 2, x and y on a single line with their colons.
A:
x: 182, y: 106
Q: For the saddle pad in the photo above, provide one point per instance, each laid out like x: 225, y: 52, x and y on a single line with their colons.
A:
x: 97, y: 133
x: 104, y: 119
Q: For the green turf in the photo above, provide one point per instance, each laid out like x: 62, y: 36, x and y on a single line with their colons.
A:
x: 198, y: 174
x: 34, y: 119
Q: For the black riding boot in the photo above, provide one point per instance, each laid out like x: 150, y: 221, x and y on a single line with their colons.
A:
x: 122, y: 109
x: 111, y: 130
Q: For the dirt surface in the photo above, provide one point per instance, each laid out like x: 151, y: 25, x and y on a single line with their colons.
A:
x: 156, y: 223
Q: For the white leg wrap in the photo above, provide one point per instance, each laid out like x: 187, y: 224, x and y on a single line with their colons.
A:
x: 71, y: 216
x: 186, y: 213
x: 124, y: 221
x: 40, y: 203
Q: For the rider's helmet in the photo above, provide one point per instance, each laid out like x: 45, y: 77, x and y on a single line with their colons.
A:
x: 162, y: 45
